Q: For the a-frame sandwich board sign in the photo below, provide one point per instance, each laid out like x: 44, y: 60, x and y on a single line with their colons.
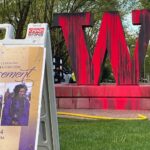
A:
x: 28, y: 119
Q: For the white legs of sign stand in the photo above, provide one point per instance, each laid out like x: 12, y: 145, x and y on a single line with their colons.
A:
x: 45, y: 134
x: 48, y: 136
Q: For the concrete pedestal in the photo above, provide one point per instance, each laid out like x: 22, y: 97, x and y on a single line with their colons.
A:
x: 72, y: 96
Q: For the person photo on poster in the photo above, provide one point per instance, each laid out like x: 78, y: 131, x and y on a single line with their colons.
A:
x: 16, y: 107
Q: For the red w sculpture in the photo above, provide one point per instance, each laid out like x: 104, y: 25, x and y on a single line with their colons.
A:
x: 111, y: 39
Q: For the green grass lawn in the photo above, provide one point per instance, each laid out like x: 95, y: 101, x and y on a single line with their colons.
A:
x: 78, y: 134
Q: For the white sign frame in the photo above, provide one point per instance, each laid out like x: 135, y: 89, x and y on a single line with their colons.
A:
x: 38, y: 35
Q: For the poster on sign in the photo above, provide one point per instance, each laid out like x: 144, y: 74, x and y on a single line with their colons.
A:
x: 21, y: 79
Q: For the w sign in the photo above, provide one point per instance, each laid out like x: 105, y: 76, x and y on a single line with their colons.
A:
x: 126, y: 94
x: 111, y: 39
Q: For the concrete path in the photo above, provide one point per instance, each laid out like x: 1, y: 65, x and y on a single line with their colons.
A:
x: 107, y: 113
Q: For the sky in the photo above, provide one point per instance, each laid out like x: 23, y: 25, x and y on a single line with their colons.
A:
x: 131, y: 28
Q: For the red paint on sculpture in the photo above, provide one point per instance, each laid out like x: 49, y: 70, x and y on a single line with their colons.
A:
x: 111, y: 39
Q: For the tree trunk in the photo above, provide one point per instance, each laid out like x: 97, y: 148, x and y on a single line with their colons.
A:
x: 22, y: 20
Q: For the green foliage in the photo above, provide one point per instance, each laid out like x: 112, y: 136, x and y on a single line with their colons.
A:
x: 16, y: 13
x: 147, y: 65
x: 104, y: 135
x: 107, y: 75
x: 145, y: 4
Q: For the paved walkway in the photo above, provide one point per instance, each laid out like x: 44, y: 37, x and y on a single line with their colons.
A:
x: 108, y: 113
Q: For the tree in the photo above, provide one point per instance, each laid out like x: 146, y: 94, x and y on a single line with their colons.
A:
x: 15, y: 12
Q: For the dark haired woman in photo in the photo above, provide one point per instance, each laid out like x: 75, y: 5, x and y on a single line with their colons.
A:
x: 16, y: 107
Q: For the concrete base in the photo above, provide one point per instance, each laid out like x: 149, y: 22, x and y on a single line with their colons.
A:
x: 72, y: 96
